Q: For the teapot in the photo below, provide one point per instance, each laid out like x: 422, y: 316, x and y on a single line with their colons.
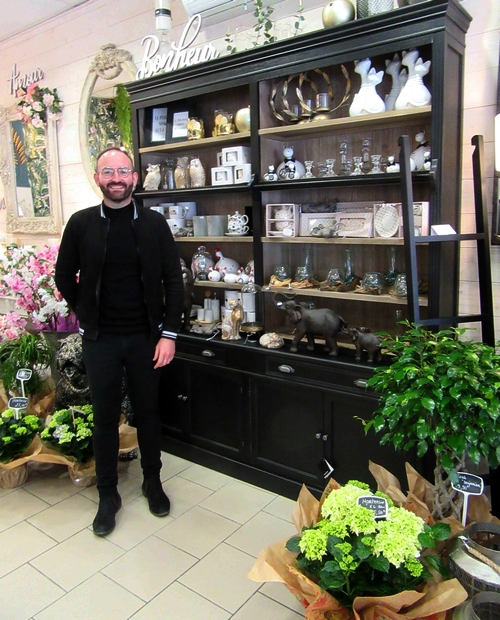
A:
x: 236, y: 223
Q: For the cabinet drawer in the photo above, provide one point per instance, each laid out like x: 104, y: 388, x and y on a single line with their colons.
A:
x: 205, y: 352
x: 327, y: 378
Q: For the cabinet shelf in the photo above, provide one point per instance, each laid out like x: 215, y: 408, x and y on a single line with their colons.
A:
x: 217, y: 141
x: 224, y: 285
x: 350, y: 123
x: 336, y: 240
x: 193, y: 192
x: 391, y: 178
x: 314, y: 292
x: 215, y: 239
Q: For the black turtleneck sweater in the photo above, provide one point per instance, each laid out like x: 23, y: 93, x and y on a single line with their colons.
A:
x: 122, y: 309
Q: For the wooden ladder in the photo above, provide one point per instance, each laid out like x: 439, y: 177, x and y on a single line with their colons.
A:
x: 481, y: 237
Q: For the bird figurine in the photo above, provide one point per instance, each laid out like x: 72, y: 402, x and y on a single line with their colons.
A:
x: 181, y: 173
x: 197, y: 175
x: 153, y: 178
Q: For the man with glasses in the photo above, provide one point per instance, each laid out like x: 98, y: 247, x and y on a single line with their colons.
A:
x: 119, y: 270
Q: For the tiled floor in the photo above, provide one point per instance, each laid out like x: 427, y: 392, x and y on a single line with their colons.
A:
x: 191, y: 565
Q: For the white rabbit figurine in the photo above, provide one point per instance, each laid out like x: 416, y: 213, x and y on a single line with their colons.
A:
x: 399, y: 77
x: 367, y: 100
x: 414, y: 93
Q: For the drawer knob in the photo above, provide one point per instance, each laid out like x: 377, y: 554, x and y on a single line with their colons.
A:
x: 207, y: 353
x: 360, y: 383
x: 318, y: 435
x: 324, y: 437
x: 286, y: 368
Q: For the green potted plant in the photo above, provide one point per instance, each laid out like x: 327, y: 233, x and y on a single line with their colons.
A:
x: 69, y: 432
x: 19, y: 441
x: 16, y: 435
x: 348, y: 553
x: 67, y: 440
x: 440, y: 393
x: 28, y: 350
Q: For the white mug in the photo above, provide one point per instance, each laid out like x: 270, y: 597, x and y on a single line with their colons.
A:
x: 159, y: 208
x: 176, y: 211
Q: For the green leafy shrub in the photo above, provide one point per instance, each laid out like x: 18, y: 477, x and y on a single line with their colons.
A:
x: 440, y: 393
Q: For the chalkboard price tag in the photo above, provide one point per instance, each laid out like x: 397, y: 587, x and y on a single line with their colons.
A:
x: 18, y: 402
x: 469, y: 483
x: 379, y: 505
x: 24, y: 374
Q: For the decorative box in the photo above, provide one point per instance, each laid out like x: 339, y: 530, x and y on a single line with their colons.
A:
x: 282, y: 220
x: 343, y: 224
x: 236, y: 155
x: 222, y: 175
x: 242, y: 173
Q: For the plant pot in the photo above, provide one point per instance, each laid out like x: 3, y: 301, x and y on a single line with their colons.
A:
x: 82, y: 474
x: 15, y: 477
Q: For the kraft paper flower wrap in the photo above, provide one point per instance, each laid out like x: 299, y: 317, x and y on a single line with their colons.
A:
x: 326, y: 536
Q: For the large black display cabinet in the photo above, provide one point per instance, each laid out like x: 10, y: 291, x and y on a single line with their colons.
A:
x: 271, y: 417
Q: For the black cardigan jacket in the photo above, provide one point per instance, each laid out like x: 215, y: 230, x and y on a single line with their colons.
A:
x: 81, y: 258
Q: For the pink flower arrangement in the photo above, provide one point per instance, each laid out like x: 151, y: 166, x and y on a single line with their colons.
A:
x: 12, y: 325
x: 28, y: 274
x: 37, y: 104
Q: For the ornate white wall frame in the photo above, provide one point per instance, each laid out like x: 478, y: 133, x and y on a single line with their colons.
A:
x: 15, y: 222
x: 107, y: 64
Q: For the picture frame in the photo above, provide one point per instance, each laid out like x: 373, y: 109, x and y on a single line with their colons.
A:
x: 159, y: 124
x: 178, y: 124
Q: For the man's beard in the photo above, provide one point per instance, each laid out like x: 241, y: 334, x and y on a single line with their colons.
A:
x: 120, y: 192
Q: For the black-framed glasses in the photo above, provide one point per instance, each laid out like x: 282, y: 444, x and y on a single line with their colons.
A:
x: 107, y: 173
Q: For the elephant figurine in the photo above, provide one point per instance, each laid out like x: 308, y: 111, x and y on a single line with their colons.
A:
x: 366, y: 341
x: 310, y: 322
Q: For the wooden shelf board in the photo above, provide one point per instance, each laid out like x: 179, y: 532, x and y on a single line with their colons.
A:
x: 216, y: 239
x: 218, y: 141
x: 209, y: 284
x: 337, y: 240
x: 349, y: 296
x: 349, y: 122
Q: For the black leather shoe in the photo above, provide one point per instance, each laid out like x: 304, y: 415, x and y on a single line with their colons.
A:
x: 159, y: 504
x: 104, y: 522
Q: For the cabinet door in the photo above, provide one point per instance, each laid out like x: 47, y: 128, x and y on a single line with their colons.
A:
x: 216, y: 410
x: 289, y: 435
x: 352, y: 449
x: 174, y: 396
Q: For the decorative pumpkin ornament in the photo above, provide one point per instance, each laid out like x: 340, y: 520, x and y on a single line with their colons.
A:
x: 337, y: 12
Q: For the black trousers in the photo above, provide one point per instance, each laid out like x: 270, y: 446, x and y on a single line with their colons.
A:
x: 106, y: 360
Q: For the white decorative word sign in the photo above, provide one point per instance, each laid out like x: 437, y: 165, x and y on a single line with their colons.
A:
x: 16, y: 81
x: 179, y: 56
